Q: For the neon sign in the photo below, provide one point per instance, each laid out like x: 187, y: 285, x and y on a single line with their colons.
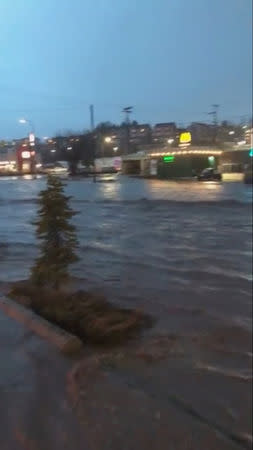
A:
x: 168, y: 158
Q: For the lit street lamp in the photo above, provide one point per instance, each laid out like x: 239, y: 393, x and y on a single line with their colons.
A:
x: 24, y: 121
x: 108, y: 139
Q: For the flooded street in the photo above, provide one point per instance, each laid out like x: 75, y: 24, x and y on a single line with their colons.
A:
x: 145, y: 242
x: 181, y: 251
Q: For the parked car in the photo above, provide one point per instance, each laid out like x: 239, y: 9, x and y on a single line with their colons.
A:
x: 210, y: 174
x: 55, y: 168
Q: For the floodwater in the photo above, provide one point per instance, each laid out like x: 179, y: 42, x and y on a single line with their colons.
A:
x: 153, y: 244
x: 139, y: 233
x: 144, y: 241
x: 181, y: 251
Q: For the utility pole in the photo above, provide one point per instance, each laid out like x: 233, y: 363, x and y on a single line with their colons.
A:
x: 214, y: 114
x: 92, y: 118
x: 127, y: 110
x: 97, y: 141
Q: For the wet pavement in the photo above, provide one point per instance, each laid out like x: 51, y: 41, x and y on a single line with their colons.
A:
x: 34, y: 413
x: 149, y: 393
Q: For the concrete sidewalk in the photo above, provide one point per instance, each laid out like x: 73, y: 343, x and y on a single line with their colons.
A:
x: 33, y: 407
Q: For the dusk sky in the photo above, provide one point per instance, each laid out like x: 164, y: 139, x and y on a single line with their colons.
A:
x: 169, y: 59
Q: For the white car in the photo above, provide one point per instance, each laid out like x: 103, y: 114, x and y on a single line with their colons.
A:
x: 57, y: 167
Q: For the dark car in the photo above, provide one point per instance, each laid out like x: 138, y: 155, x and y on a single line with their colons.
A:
x: 210, y: 174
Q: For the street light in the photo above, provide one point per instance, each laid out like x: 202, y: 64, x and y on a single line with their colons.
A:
x: 115, y: 149
x: 24, y: 121
x: 108, y: 139
x: 170, y: 141
x: 231, y: 133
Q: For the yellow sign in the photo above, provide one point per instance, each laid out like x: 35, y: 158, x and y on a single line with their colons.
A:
x: 185, y: 138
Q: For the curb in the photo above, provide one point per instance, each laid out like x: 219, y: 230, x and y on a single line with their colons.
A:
x: 65, y: 342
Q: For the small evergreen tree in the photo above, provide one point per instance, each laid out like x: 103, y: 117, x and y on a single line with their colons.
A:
x: 57, y: 235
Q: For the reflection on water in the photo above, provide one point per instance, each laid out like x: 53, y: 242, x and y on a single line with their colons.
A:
x: 133, y: 189
x: 108, y: 190
x: 28, y: 177
x: 212, y: 185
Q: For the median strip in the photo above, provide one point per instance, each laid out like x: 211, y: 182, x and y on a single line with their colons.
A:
x: 66, y: 342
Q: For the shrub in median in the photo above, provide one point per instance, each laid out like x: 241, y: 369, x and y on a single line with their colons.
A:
x: 57, y: 237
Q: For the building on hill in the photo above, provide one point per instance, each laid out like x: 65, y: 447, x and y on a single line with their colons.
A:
x: 202, y: 133
x: 140, y: 134
x: 164, y: 132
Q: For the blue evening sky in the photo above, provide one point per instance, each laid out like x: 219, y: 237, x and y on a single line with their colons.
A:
x: 170, y: 59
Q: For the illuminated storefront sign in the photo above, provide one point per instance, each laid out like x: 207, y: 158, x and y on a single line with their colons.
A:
x: 168, y: 158
x: 26, y: 155
x: 185, y: 138
x: 32, y: 139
